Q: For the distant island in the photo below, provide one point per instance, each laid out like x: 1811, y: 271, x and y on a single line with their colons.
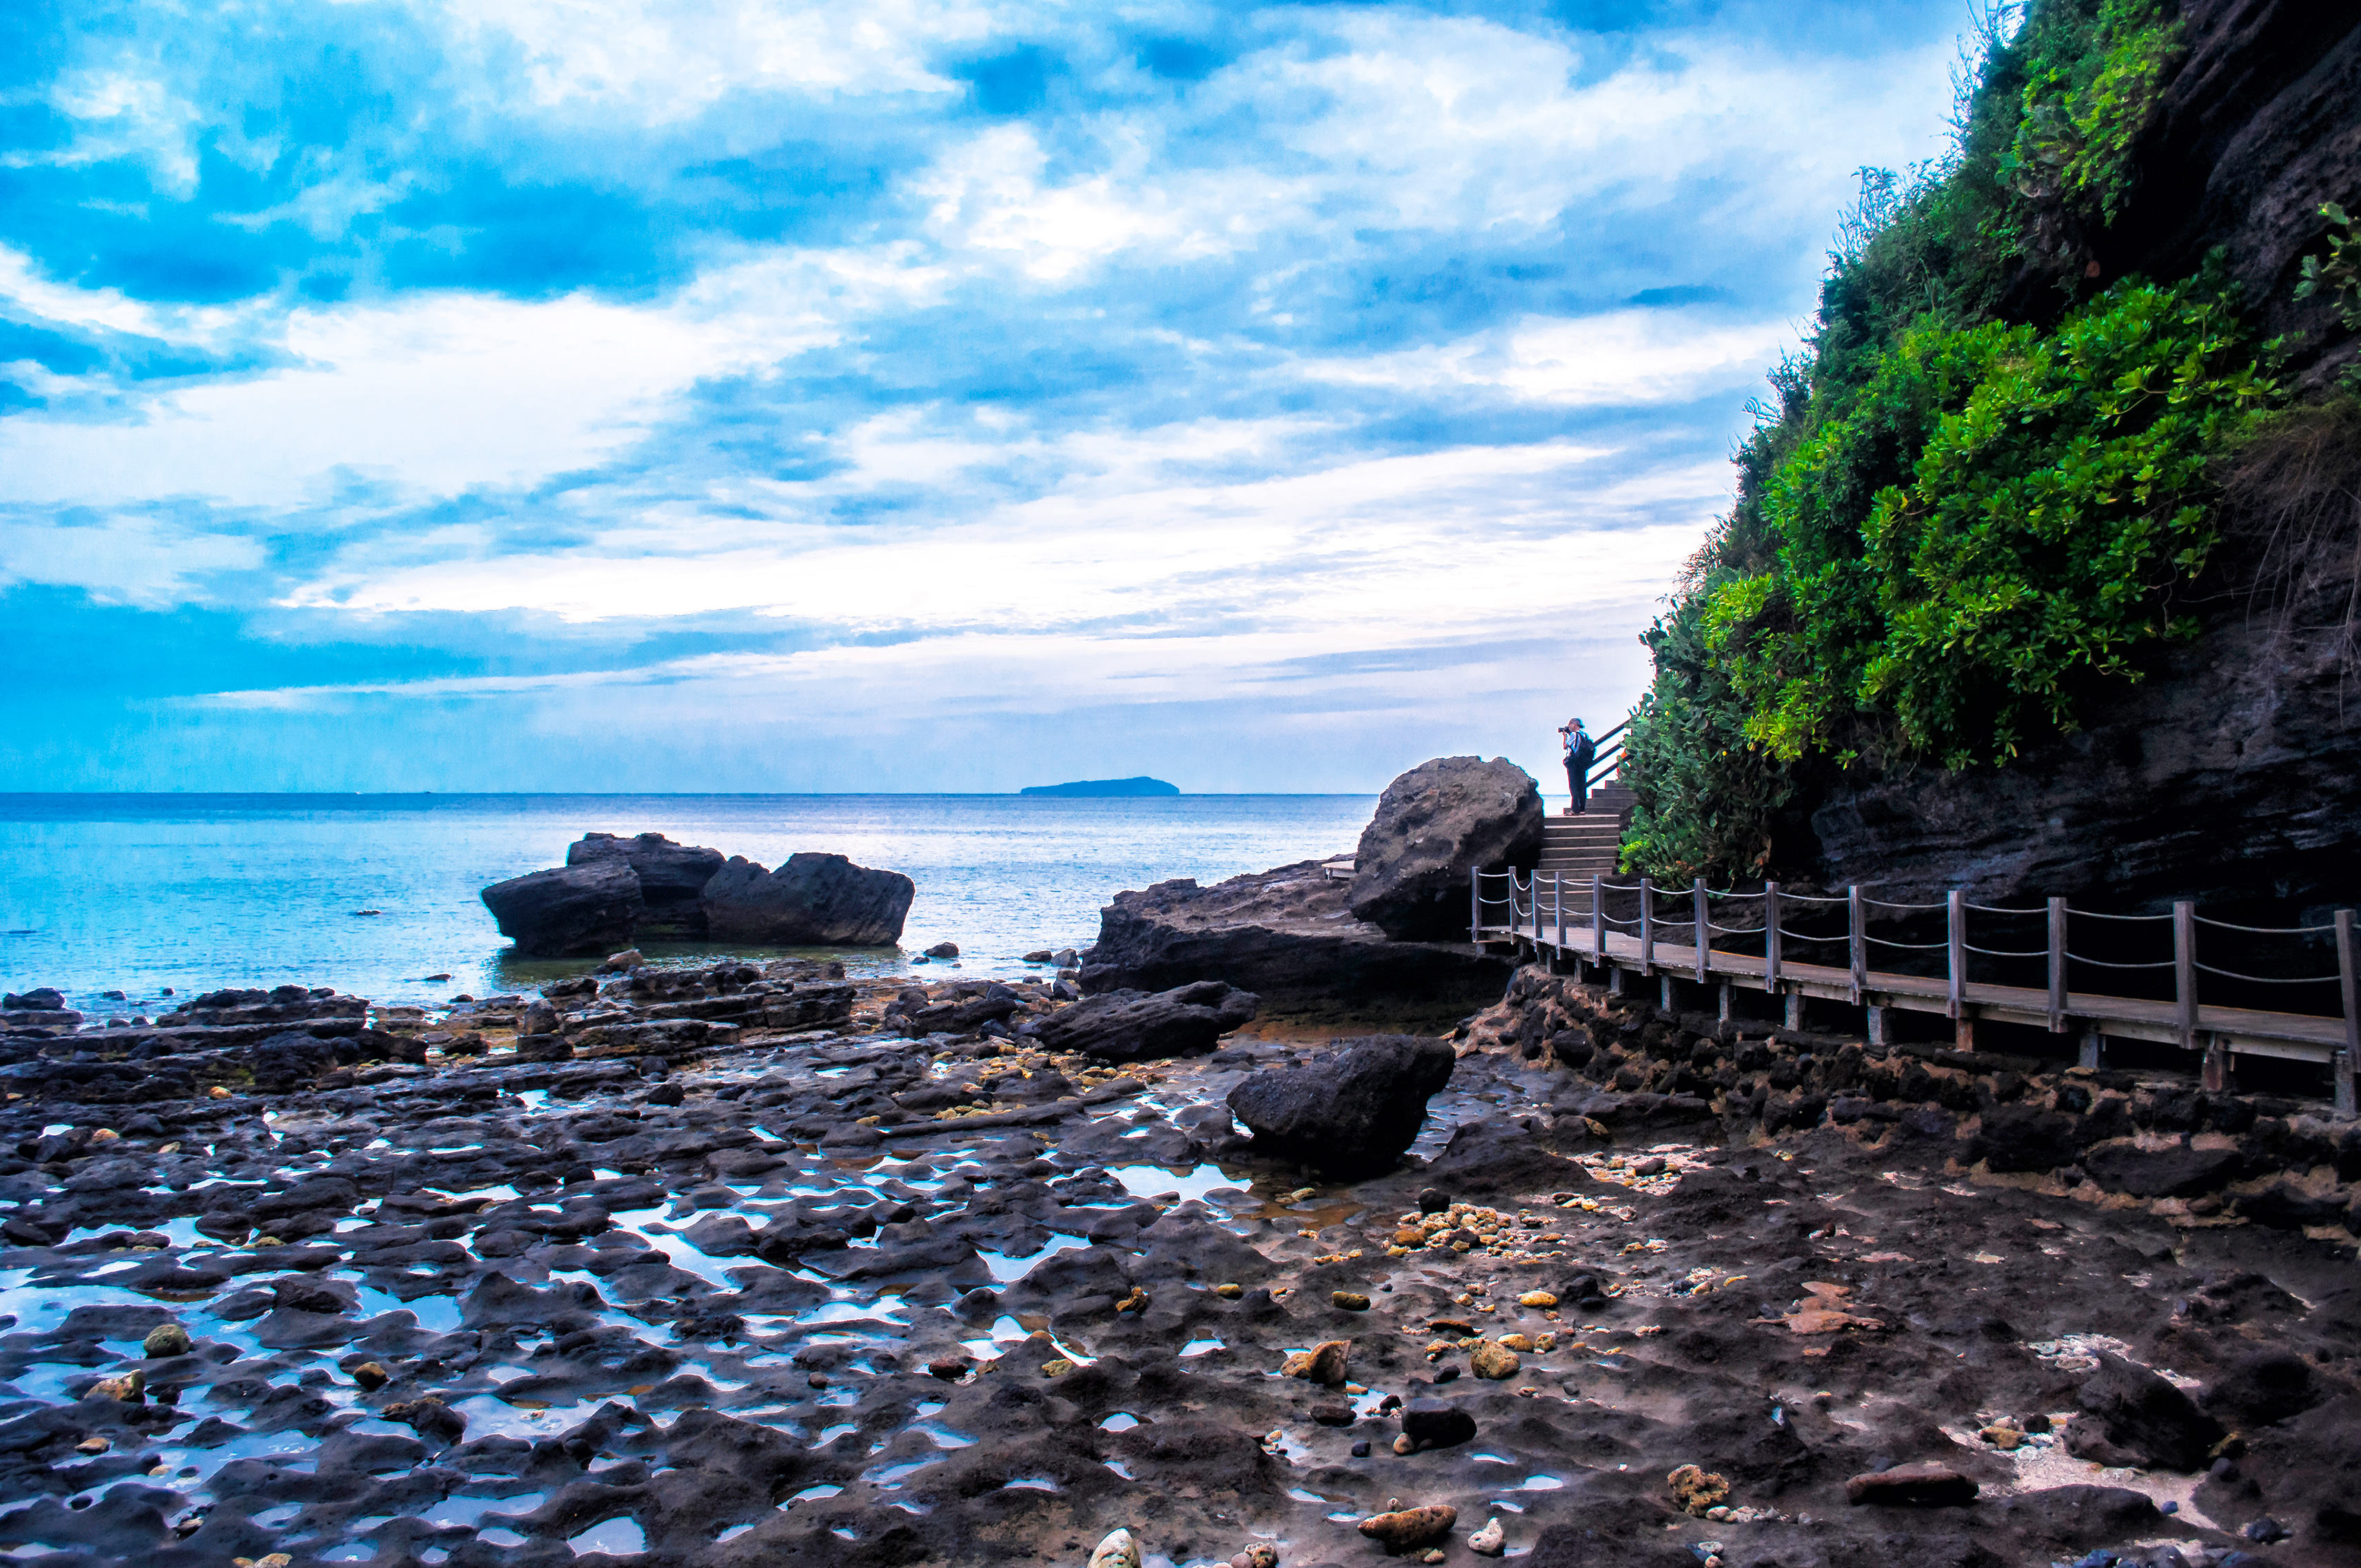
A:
x: 1105, y: 786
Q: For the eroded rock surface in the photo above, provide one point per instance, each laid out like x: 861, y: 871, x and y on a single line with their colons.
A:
x: 813, y: 1288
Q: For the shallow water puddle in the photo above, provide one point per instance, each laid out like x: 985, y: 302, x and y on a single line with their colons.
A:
x: 1156, y: 1181
x: 1006, y: 1270
x: 617, y: 1537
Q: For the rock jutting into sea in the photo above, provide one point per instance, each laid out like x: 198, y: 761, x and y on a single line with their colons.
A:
x: 613, y: 892
x: 1303, y: 939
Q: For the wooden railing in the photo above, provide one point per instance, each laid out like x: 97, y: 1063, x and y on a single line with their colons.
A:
x: 1569, y: 917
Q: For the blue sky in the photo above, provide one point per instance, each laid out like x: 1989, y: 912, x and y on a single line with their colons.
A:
x: 607, y: 395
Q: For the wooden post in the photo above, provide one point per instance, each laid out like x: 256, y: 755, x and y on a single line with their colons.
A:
x: 1771, y: 937
x: 1704, y: 930
x: 1956, y: 914
x: 1598, y: 918
x: 1881, y: 1028
x: 1859, y: 925
x: 1557, y: 903
x: 2184, y: 972
x: 2214, y: 1076
x: 2095, y: 1048
x: 1722, y: 1013
x: 1647, y: 927
x: 2348, y: 974
x: 1664, y: 990
x: 2057, y: 966
x: 1475, y: 905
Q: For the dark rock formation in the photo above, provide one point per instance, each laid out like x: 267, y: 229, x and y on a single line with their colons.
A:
x: 1285, y: 935
x: 815, y: 900
x: 2135, y: 1412
x: 1136, y: 1025
x: 1357, y: 1110
x: 1434, y: 824
x: 2180, y: 1171
x: 671, y: 877
x: 571, y: 910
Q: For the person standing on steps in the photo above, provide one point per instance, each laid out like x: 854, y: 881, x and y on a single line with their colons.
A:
x: 1579, y: 750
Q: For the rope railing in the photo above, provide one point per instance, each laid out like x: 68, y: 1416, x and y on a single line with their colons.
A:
x: 1659, y: 918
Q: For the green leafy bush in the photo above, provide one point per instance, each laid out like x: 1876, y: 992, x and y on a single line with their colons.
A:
x: 2055, y: 496
x: 1953, y: 526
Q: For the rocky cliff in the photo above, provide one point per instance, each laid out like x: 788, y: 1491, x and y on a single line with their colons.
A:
x: 2231, y: 772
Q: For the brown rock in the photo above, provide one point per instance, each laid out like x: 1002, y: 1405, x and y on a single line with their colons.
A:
x: 1409, y: 1529
x: 1350, y: 1300
x: 1322, y: 1364
x: 1697, y: 1490
x: 371, y: 1376
x: 1493, y: 1360
x: 1922, y: 1485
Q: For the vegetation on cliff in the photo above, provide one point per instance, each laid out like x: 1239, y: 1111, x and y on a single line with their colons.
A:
x: 1974, y: 502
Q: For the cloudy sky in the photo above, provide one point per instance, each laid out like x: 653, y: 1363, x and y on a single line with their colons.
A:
x: 904, y: 395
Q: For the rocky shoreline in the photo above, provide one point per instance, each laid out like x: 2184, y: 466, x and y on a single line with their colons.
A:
x: 746, y: 1264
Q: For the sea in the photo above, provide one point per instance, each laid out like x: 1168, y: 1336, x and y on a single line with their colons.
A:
x: 160, y: 896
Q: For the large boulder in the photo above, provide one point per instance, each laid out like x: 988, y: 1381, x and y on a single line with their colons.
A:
x: 1355, y: 1111
x: 1286, y: 936
x: 1435, y: 824
x: 672, y: 876
x: 571, y: 910
x: 814, y: 901
x: 1136, y: 1025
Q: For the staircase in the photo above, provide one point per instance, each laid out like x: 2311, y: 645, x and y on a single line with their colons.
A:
x: 1579, y: 848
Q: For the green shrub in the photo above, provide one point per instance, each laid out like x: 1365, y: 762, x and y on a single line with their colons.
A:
x: 1952, y: 527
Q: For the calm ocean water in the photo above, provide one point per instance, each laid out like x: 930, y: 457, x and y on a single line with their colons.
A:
x: 136, y: 892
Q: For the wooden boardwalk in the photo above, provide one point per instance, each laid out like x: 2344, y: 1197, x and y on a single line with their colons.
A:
x: 1556, y: 926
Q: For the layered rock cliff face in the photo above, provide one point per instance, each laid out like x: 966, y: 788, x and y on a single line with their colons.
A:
x: 2232, y: 773
x: 2258, y: 124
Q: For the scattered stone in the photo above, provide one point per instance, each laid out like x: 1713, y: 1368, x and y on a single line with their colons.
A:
x: 1697, y: 1490
x: 1409, y: 1529
x: 1228, y: 1291
x: 1922, y: 1485
x: 370, y: 1377
x: 1257, y: 1554
x: 1538, y: 1299
x: 943, y: 950
x: 623, y: 962
x: 1350, y: 1300
x: 1323, y: 1364
x: 163, y: 1340
x: 1118, y: 1551
x: 92, y: 1445
x: 1491, y: 1541
x: 428, y: 1416
x: 1492, y: 1360
x: 1434, y: 1423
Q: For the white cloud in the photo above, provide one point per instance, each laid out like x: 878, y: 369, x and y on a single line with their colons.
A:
x: 1621, y: 358
x: 669, y: 59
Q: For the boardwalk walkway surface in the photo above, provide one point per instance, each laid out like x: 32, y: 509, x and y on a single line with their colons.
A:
x: 1551, y: 912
